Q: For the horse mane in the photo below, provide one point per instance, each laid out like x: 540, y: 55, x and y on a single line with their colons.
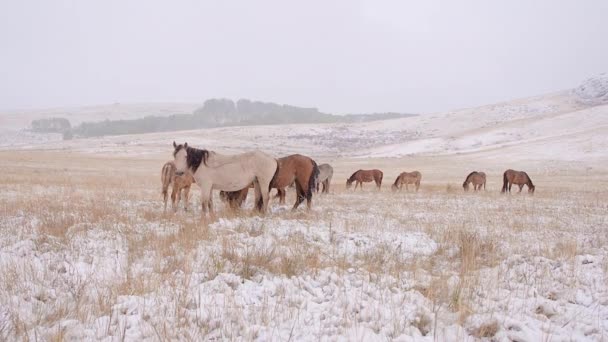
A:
x: 194, y: 156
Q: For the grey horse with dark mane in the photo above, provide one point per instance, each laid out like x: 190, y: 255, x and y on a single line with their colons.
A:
x: 212, y: 170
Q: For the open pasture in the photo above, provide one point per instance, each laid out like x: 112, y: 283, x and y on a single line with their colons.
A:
x: 87, y: 253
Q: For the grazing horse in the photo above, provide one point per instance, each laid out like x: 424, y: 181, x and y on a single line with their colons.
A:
x: 299, y: 169
x: 406, y: 178
x: 477, y: 178
x: 361, y: 176
x: 235, y: 199
x: 212, y: 170
x: 520, y: 178
x: 296, y: 168
x: 326, y: 172
x: 183, y: 182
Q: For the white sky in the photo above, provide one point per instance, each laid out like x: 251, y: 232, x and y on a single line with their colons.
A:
x: 339, y: 56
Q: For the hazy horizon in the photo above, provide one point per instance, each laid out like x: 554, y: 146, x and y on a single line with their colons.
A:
x: 339, y: 57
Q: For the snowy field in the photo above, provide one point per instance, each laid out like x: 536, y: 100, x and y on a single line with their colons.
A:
x: 86, y: 253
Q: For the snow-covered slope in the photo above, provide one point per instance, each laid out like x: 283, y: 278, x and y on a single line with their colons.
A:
x: 569, y: 125
x: 594, y: 91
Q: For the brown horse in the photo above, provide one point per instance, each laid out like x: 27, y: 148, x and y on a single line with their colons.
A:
x: 520, y: 178
x: 361, y: 176
x: 235, y: 199
x: 301, y: 169
x: 181, y: 182
x: 477, y: 178
x: 406, y: 178
x: 296, y: 168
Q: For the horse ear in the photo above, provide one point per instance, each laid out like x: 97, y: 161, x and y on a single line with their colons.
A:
x: 174, y: 144
x: 186, y: 145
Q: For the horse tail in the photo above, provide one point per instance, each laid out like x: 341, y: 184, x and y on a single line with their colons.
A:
x: 166, y: 177
x: 313, y: 180
x: 505, y: 182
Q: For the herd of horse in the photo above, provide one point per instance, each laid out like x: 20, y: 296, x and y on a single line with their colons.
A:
x: 234, y: 175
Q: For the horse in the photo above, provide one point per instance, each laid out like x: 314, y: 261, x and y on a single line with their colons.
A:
x: 212, y: 170
x: 235, y: 199
x: 300, y: 169
x: 520, y: 178
x: 406, y: 178
x: 326, y: 172
x: 183, y: 182
x: 477, y: 178
x: 361, y: 176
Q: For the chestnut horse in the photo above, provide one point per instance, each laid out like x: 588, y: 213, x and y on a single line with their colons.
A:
x: 361, y: 176
x: 183, y: 182
x: 235, y: 199
x: 406, y: 178
x: 296, y: 168
x: 477, y: 178
x: 520, y: 178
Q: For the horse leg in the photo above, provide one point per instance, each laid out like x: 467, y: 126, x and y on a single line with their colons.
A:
x: 165, y: 195
x: 186, y: 194
x: 521, y: 186
x: 258, y: 200
x: 300, y: 195
x: 417, y: 186
x: 178, y: 198
x: 210, y: 206
x: 510, y: 185
x: 174, y: 191
x: 205, y: 198
x: 282, y: 195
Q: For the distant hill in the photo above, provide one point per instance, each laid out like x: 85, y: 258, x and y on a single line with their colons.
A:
x: 224, y: 113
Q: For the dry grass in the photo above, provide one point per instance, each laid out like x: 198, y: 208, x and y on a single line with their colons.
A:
x: 475, y: 232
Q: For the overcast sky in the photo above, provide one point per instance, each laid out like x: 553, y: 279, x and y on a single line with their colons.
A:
x: 338, y: 56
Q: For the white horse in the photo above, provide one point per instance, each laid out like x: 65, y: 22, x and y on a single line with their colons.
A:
x: 212, y: 170
x: 326, y: 172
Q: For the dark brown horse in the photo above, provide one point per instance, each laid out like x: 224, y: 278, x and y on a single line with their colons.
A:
x: 477, y: 178
x: 298, y: 169
x: 520, y: 178
x: 361, y: 176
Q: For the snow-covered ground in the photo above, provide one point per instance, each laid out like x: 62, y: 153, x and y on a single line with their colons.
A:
x: 87, y: 254
x: 99, y: 261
